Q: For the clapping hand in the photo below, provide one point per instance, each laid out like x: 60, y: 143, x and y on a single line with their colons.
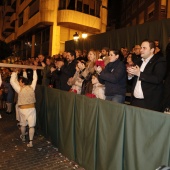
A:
x: 52, y: 69
x: 43, y: 64
x: 134, y: 70
x: 98, y: 69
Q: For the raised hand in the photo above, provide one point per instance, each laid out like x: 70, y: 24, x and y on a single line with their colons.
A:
x: 135, y: 70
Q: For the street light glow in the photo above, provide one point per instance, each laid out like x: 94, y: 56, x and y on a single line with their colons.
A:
x: 84, y: 35
x: 76, y: 36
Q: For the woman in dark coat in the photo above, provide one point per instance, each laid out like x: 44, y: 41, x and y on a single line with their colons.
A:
x: 114, y: 78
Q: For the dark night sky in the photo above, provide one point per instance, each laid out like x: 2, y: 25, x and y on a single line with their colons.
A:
x: 114, y: 12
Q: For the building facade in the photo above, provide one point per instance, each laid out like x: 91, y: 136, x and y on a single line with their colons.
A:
x: 134, y: 12
x: 32, y: 27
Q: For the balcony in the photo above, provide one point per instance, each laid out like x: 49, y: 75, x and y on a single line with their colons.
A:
x: 8, y: 28
x: 78, y: 20
x: 9, y: 11
x: 10, y: 37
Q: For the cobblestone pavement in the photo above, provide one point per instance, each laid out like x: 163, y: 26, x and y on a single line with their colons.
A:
x: 14, y: 154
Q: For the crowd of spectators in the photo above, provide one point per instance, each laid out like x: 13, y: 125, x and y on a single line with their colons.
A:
x: 97, y: 73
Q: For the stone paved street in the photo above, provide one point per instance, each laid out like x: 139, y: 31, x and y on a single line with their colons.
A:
x: 14, y: 154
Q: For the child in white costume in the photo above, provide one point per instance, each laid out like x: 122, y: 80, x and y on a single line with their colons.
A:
x: 26, y: 103
x: 98, y: 89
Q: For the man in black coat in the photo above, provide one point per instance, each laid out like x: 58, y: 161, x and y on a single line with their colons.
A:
x: 147, y: 89
x: 68, y: 70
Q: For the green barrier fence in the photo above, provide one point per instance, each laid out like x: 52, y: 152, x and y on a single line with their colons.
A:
x: 103, y: 135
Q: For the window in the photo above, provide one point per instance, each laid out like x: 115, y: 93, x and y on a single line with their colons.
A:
x: 62, y: 4
x: 18, y: 48
x: 91, y: 7
x: 42, y: 42
x: 98, y: 4
x: 27, y: 46
x: 20, y: 19
x: 141, y: 18
x: 34, y: 8
x: 86, y: 8
x: 45, y: 35
x: 79, y: 5
x: 150, y: 11
x: 71, y: 5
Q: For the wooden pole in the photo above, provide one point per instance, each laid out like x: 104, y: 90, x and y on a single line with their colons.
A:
x: 19, y: 66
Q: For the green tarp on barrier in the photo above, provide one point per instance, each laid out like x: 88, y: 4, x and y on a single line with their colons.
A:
x: 102, y: 135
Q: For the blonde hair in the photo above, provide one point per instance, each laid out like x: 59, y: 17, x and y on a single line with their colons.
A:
x: 90, y: 64
x: 95, y: 53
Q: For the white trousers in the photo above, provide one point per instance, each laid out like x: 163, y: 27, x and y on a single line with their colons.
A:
x: 27, y: 117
